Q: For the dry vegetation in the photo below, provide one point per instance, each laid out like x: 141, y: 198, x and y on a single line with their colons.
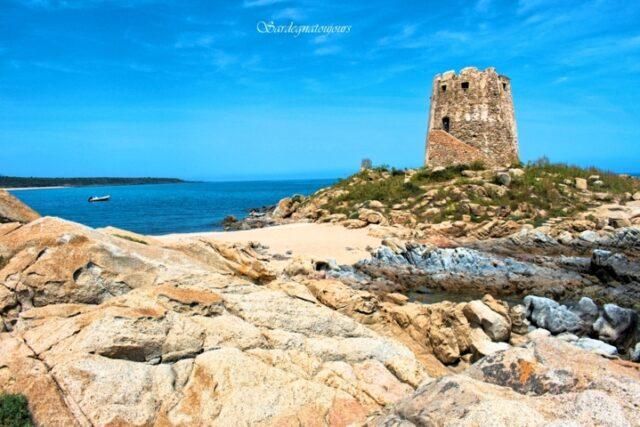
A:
x: 534, y: 192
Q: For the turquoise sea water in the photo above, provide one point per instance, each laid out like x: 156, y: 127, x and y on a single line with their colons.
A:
x: 164, y: 208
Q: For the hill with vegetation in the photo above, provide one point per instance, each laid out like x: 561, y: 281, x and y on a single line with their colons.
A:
x: 19, y: 182
x: 463, y: 198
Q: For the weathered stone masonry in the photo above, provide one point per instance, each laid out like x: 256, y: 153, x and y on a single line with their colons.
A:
x: 475, y: 110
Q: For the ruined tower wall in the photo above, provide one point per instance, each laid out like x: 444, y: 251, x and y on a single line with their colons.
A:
x: 475, y: 107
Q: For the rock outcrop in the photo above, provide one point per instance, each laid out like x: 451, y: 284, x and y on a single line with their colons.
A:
x: 545, y: 383
x: 106, y: 327
x: 109, y: 331
x: 442, y: 334
x: 13, y: 210
x: 468, y: 270
x: 469, y: 201
x: 548, y: 314
x: 526, y: 263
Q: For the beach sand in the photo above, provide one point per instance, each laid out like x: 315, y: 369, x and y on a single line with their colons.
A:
x: 318, y: 241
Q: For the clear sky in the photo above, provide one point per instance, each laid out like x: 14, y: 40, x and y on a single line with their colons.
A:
x: 198, y: 90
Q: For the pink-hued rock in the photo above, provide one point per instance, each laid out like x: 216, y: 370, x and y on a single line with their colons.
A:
x: 13, y: 210
x: 107, y: 330
x: 548, y: 382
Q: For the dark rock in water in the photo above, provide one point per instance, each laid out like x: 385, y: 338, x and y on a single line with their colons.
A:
x: 406, y: 266
x: 548, y: 314
x: 254, y: 220
x: 528, y: 262
x: 228, y: 220
x: 617, y: 325
x: 262, y: 210
x: 615, y: 266
x: 258, y: 218
x: 463, y: 269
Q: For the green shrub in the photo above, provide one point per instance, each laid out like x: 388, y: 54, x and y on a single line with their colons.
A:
x: 543, y: 186
x: 477, y: 165
x: 558, y: 172
x: 426, y: 175
x: 397, y: 172
x: 391, y: 190
x: 381, y: 168
x: 14, y: 411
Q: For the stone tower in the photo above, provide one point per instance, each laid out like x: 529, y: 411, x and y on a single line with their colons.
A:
x: 471, y: 119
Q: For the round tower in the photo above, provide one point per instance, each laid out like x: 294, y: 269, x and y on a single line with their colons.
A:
x: 471, y: 118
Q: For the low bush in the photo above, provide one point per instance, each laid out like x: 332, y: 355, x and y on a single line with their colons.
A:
x: 478, y: 165
x: 14, y: 411
x: 427, y: 175
x: 558, y: 172
x: 545, y: 190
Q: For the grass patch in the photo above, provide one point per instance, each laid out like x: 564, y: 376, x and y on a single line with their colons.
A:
x: 543, y: 186
x: 14, y: 411
x: 390, y: 190
x: 478, y: 165
x: 558, y: 172
x: 425, y: 175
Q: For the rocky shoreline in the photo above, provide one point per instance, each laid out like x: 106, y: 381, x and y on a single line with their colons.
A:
x: 106, y: 327
x: 388, y: 274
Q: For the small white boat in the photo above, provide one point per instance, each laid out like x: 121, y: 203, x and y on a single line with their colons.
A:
x: 99, y: 198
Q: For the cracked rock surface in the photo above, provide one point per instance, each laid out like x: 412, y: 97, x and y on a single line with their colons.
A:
x: 548, y: 383
x: 106, y: 327
x: 108, y: 331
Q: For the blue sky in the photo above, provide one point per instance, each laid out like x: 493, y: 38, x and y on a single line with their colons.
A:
x: 192, y: 89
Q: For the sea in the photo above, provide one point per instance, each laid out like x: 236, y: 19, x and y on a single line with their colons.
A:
x: 157, y: 209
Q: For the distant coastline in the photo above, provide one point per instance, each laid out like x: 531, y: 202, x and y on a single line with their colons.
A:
x: 33, y: 188
x: 28, y: 183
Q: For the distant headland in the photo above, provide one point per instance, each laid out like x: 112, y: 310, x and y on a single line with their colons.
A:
x: 27, y: 182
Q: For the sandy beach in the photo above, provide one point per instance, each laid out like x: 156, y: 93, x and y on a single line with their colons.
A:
x: 322, y: 241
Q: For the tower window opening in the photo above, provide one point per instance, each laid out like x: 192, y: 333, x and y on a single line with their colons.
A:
x: 465, y: 85
x: 504, y: 87
x: 444, y: 88
x: 445, y: 124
